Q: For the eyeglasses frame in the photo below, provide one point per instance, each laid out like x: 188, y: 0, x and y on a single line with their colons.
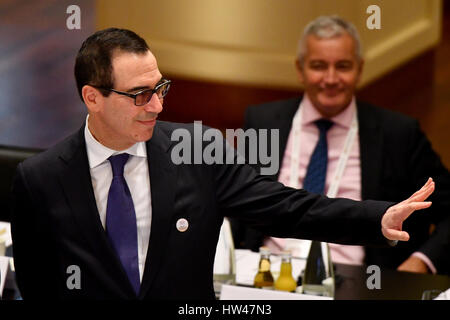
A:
x: 134, y: 95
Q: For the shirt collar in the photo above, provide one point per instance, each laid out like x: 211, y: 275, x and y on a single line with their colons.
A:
x: 310, y: 113
x: 98, y: 153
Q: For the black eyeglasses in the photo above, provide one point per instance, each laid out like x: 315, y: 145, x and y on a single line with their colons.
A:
x: 143, y: 97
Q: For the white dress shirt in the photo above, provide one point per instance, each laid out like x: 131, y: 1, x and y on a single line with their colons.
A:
x: 136, y: 175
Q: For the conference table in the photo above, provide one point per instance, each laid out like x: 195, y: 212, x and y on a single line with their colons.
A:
x: 395, y: 285
x: 351, y: 284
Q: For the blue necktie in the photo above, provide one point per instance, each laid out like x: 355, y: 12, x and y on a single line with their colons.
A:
x: 315, y: 182
x: 317, y: 168
x: 121, y: 221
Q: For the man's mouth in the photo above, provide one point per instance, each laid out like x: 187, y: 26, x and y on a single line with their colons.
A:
x: 148, y: 122
x: 331, y: 92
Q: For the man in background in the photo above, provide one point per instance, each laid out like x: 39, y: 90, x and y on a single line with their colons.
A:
x: 370, y: 152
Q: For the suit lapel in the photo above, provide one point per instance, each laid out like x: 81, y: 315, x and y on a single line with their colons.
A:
x: 371, y: 150
x: 370, y: 140
x: 76, y: 181
x: 162, y: 182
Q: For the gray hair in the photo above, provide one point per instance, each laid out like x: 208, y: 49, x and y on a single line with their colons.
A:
x: 326, y: 27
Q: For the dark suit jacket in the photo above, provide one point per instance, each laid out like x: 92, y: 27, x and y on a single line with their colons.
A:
x: 440, y: 242
x: 396, y: 160
x: 56, y: 223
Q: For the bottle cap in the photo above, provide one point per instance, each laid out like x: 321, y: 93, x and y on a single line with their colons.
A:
x: 264, y: 249
x: 286, y: 255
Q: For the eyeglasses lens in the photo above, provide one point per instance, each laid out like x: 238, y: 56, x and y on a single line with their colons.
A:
x: 145, y: 96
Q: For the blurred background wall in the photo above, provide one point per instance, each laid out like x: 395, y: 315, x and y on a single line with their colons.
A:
x: 222, y: 56
x: 254, y: 42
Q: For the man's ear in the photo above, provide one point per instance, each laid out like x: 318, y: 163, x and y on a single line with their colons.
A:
x: 92, y: 98
x: 299, y: 68
x: 360, y: 68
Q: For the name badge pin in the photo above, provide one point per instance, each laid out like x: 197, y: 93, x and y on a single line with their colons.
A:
x: 182, y: 225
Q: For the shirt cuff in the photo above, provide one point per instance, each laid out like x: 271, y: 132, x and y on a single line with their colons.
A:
x: 426, y: 260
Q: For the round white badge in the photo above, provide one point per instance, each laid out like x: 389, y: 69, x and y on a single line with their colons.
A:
x: 182, y: 225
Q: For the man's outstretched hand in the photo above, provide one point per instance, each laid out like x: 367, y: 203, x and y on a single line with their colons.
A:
x: 391, y: 223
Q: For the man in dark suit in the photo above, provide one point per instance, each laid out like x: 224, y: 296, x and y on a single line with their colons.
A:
x: 107, y: 214
x: 390, y: 157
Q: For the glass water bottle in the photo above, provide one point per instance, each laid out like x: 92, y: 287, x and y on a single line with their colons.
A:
x: 286, y: 281
x: 319, y: 276
x: 264, y: 278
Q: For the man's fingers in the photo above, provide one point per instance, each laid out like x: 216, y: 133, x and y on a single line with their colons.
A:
x: 401, y: 212
x: 408, y: 209
x: 392, y: 234
x: 421, y: 190
x: 428, y: 181
x: 423, y: 193
x: 419, y: 205
x: 395, y: 216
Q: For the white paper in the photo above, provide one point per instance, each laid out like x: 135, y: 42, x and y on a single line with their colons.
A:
x: 225, y: 248
x: 7, y: 235
x: 247, y: 263
x: 4, y: 265
x: 443, y: 295
x: 243, y: 293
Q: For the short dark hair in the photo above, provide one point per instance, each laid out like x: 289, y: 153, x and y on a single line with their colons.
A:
x: 93, y: 63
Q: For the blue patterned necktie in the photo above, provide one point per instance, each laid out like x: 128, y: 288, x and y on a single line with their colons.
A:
x: 315, y: 182
x: 317, y: 168
x: 121, y: 221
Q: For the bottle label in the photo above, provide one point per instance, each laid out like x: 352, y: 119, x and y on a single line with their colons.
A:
x: 264, y: 266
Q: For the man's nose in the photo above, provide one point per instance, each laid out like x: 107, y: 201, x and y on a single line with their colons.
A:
x: 154, y: 105
x: 331, y: 76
